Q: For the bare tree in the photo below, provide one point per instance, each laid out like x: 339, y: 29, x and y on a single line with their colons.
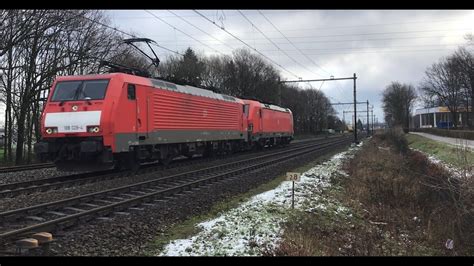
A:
x: 398, y: 99
x: 463, y: 64
x: 444, y: 82
x: 53, y: 42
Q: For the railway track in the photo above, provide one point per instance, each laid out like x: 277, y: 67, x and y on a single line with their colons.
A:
x: 19, y: 168
x: 67, y: 212
x: 47, y: 184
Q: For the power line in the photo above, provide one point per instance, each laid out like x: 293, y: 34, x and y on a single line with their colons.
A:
x: 358, y: 40
x: 373, y: 33
x: 200, y: 30
x: 360, y: 48
x: 293, y: 44
x: 276, y: 44
x: 357, y: 34
x: 370, y: 25
x: 306, y: 29
x: 125, y: 33
x: 378, y: 39
x: 164, y: 21
x: 222, y: 28
x: 371, y: 47
x: 386, y: 51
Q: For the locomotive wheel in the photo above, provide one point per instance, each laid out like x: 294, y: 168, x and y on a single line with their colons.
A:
x: 166, y: 162
x: 134, y: 165
x: 129, y: 162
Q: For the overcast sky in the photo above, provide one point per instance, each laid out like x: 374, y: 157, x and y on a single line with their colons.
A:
x: 380, y: 46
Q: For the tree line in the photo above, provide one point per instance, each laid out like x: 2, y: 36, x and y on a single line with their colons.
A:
x: 449, y: 82
x: 38, y: 45
x: 247, y: 75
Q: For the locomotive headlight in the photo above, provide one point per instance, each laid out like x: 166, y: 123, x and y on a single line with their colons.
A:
x: 51, y: 130
x: 93, y: 129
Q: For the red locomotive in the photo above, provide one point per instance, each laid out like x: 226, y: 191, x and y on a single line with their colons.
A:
x: 117, y: 119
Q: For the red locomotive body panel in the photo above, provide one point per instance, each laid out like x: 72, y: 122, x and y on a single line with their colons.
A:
x: 113, y: 113
x: 274, y: 121
x: 68, y: 116
x: 269, y: 120
x: 160, y: 112
x: 121, y: 117
x: 180, y: 111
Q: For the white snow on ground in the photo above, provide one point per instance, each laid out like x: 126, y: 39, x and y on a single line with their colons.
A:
x: 453, y: 170
x: 256, y: 225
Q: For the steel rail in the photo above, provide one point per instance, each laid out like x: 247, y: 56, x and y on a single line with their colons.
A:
x: 150, y: 195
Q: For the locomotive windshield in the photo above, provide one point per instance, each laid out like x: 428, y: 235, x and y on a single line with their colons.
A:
x: 80, y: 90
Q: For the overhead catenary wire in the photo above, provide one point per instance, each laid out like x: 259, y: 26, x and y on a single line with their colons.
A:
x: 246, y: 44
x: 307, y: 57
x: 360, y: 40
x: 370, y: 47
x: 370, y: 33
x: 126, y: 33
x: 387, y: 51
x: 164, y: 21
x: 278, y: 47
x: 189, y: 23
x: 357, y: 34
x: 317, y: 28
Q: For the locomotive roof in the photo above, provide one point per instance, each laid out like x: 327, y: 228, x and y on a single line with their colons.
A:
x: 275, y: 107
x: 157, y: 83
x: 193, y: 90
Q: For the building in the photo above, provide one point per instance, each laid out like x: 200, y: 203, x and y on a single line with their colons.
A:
x: 439, y: 117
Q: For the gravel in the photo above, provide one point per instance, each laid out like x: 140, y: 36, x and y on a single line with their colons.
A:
x: 28, y: 175
x: 130, y: 235
x: 26, y: 200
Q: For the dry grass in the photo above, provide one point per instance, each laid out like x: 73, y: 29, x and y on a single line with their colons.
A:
x: 396, y: 187
x: 402, y: 205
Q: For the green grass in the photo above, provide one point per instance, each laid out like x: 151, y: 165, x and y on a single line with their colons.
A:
x: 187, y: 228
x: 2, y: 151
x: 444, y: 152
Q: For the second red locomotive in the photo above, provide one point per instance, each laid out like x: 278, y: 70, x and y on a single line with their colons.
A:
x: 101, y: 121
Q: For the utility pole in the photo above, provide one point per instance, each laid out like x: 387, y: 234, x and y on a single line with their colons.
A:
x: 368, y: 129
x: 356, y: 141
x: 372, y: 114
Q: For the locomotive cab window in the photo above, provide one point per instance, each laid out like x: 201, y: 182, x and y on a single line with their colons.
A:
x: 131, y: 92
x: 79, y: 90
x: 94, y: 89
x: 246, y: 109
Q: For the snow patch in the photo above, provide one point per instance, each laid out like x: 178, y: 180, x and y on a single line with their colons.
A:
x: 453, y: 170
x: 257, y: 224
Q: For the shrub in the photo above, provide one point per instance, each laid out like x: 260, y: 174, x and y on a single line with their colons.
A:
x: 397, y: 186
